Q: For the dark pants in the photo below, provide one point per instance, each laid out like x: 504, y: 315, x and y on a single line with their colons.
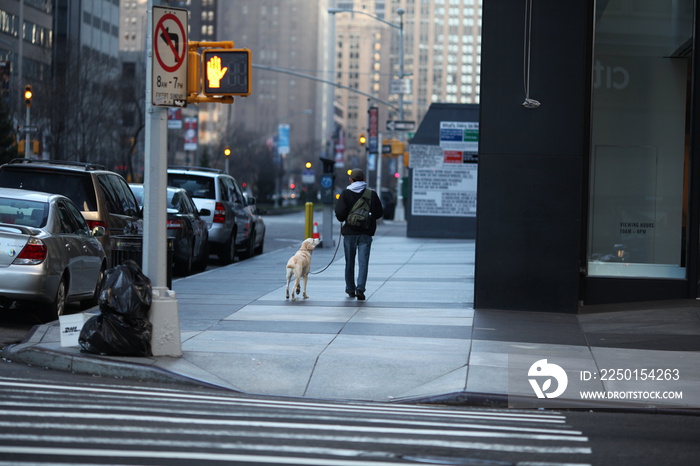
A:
x: 360, y: 246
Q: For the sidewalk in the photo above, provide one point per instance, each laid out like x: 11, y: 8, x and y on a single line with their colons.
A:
x: 416, y: 338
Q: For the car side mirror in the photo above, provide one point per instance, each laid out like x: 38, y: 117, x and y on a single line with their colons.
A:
x: 205, y: 212
x: 98, y: 231
x: 251, y: 201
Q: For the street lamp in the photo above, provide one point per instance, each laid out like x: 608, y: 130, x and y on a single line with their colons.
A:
x: 399, y: 215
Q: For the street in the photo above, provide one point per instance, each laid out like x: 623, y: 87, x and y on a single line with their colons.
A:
x: 86, y: 423
x: 104, y: 421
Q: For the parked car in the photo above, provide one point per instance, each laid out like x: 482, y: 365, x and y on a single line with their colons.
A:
x: 234, y: 224
x: 187, y: 228
x: 103, y: 197
x: 48, y: 255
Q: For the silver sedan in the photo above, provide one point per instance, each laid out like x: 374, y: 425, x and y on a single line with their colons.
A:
x: 48, y: 255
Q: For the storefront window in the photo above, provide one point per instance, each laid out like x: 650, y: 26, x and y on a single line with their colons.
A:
x: 639, y: 128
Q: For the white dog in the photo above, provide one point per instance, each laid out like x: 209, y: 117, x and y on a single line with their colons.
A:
x: 299, y: 266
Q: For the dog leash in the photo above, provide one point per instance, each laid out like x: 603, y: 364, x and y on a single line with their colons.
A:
x: 334, y: 254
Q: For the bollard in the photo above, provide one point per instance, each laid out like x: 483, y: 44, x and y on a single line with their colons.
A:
x: 309, y: 225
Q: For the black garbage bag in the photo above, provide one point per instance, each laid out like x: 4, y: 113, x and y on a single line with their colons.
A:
x: 116, y: 335
x: 122, y: 327
x: 127, y: 291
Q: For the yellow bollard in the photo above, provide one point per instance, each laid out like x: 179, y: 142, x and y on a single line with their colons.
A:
x: 309, y: 225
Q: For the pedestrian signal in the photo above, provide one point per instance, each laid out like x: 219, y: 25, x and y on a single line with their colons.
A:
x: 227, y: 72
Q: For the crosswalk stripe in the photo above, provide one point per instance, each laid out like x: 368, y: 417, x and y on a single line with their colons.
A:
x: 452, y: 425
x: 51, y: 422
x: 380, y: 408
x: 196, y: 456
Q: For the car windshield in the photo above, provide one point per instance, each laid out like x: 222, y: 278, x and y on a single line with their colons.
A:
x: 196, y: 186
x: 27, y: 213
x: 77, y: 188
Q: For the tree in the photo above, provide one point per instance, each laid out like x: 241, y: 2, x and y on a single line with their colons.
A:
x: 83, y: 109
x: 8, y: 147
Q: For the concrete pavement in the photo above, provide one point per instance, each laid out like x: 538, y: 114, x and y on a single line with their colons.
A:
x: 417, y: 338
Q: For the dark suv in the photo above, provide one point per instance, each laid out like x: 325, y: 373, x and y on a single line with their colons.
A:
x: 103, y: 197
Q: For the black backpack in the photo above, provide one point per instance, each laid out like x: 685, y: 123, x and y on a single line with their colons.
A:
x: 361, y: 212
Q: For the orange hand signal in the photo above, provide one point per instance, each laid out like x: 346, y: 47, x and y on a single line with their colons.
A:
x: 215, y: 72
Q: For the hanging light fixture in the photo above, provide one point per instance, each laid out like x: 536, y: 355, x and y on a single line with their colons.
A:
x: 529, y: 102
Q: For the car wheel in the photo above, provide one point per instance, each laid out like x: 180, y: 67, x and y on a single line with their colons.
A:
x: 250, y: 247
x: 92, y: 302
x: 259, y: 249
x: 58, y: 306
x: 204, y: 259
x: 185, y: 267
x: 228, y: 252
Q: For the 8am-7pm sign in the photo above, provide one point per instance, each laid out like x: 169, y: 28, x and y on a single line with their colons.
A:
x: 169, y: 85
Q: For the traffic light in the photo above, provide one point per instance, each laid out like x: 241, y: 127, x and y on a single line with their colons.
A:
x: 28, y: 95
x: 227, y: 151
x: 308, y: 165
x: 34, y: 144
x: 194, y: 82
x: 227, y: 72
x: 362, y: 139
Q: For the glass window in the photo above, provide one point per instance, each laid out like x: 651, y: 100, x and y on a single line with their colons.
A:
x: 196, y: 186
x: 77, y: 188
x: 77, y: 220
x: 639, y: 128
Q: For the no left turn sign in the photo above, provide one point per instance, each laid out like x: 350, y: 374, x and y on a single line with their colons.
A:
x: 169, y: 85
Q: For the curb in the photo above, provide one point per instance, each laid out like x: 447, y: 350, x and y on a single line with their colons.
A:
x: 66, y: 360
x: 501, y: 401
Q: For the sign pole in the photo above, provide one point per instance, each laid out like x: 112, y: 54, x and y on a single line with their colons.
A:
x: 164, y: 316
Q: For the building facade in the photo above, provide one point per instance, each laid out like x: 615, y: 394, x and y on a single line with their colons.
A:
x: 442, y: 48
x: 588, y: 165
x: 26, y: 41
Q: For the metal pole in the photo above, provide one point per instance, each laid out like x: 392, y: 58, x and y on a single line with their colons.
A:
x: 27, y: 148
x: 330, y: 92
x: 400, y: 214
x: 380, y: 156
x: 400, y: 11
x: 164, y: 314
x: 20, y: 47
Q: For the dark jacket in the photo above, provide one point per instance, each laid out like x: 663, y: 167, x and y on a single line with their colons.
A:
x: 344, y: 206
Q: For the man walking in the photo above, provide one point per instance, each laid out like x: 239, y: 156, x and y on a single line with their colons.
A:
x: 357, y: 240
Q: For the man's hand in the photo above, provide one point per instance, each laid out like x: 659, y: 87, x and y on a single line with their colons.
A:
x: 215, y: 72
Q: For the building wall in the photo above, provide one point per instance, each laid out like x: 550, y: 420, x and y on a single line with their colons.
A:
x: 442, y: 48
x: 281, y: 34
x: 532, y: 161
x: 362, y: 62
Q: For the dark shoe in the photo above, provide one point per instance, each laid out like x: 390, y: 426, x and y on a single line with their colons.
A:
x: 351, y: 294
x: 360, y: 295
